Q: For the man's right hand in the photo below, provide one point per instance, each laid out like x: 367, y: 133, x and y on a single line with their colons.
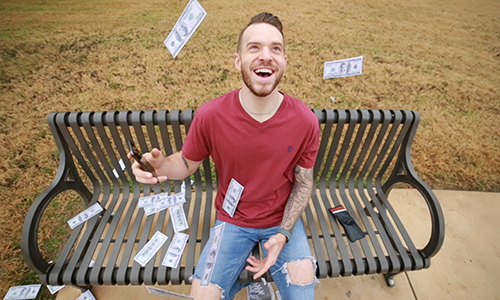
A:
x: 156, y: 159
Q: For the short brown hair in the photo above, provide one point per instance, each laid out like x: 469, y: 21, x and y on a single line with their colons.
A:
x: 262, y: 18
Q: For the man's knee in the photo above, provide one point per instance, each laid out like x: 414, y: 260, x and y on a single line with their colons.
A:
x: 301, y: 272
x: 212, y: 291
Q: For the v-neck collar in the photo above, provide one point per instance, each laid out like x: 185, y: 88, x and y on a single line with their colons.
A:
x: 249, y: 116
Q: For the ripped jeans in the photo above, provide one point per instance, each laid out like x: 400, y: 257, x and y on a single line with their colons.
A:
x: 237, y: 244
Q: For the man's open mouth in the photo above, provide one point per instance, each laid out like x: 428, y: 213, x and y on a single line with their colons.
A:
x: 263, y: 72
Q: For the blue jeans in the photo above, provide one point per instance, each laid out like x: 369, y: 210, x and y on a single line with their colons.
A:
x: 237, y: 244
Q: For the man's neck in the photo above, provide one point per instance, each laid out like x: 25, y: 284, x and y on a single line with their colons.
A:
x: 260, y: 108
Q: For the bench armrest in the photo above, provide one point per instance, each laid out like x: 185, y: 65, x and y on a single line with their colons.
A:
x: 406, y: 174
x: 63, y: 181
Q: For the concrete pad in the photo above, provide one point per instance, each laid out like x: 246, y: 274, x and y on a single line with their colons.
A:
x: 468, y: 265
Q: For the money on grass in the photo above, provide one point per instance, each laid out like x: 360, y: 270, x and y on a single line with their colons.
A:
x: 217, y: 232
x: 343, y: 68
x: 175, y: 250
x: 85, y: 215
x: 188, y: 22
x: 150, y: 249
x: 23, y: 292
x: 160, y: 292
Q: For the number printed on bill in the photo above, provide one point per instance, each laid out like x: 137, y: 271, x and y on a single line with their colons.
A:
x: 343, y: 68
x: 188, y: 22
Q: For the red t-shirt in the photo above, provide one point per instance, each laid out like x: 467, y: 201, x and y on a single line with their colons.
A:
x: 259, y: 156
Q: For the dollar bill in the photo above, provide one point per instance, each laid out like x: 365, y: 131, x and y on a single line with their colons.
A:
x: 175, y: 250
x: 55, y: 288
x: 150, y: 249
x: 85, y: 215
x: 216, y: 237
x: 188, y: 22
x: 178, y: 217
x: 343, y: 68
x: 23, y: 292
x: 160, y: 292
x: 232, y: 197
x: 86, y: 296
x: 150, y: 200
x: 156, y: 203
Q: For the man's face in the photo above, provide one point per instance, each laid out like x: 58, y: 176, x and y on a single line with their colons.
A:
x: 262, y: 59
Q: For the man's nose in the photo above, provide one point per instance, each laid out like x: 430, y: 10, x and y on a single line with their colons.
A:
x: 265, y: 54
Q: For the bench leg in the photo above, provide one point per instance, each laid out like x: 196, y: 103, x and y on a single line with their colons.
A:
x: 389, y: 279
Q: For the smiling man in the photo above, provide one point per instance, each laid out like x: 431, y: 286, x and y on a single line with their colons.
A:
x: 264, y: 144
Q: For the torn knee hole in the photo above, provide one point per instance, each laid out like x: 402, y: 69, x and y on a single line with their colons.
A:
x: 301, y: 272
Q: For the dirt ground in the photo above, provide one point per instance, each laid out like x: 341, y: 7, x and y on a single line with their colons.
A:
x: 440, y: 58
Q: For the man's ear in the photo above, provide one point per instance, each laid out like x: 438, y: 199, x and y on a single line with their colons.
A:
x: 237, y: 61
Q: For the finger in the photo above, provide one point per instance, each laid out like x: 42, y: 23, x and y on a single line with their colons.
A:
x: 254, y: 261
x: 262, y: 271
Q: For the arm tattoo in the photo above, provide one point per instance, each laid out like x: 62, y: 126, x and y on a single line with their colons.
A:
x: 185, y: 162
x: 298, y: 198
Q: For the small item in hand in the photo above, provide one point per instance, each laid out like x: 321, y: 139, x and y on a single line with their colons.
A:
x: 351, y: 228
x: 137, y: 155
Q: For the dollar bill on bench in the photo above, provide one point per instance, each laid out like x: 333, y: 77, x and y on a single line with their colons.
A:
x: 217, y: 232
x: 23, y: 292
x: 343, y: 68
x: 187, y: 24
x: 175, y: 250
x: 179, y: 221
x: 85, y: 215
x: 149, y: 250
x: 156, y: 203
x: 161, y: 292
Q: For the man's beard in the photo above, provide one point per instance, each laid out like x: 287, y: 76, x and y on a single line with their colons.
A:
x: 247, y: 79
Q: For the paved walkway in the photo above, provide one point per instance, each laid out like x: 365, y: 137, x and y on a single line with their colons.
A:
x: 467, y: 267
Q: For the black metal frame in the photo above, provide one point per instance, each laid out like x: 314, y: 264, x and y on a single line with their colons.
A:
x: 363, y: 154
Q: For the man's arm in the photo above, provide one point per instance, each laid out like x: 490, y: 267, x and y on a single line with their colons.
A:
x: 299, y: 197
x: 296, y: 203
x: 175, y: 166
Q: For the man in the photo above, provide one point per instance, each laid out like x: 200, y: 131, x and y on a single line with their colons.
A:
x: 265, y: 142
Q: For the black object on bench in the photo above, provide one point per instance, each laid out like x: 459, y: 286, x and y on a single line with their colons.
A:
x: 363, y: 153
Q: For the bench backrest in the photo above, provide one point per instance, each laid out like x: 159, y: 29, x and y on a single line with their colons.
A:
x: 358, y: 147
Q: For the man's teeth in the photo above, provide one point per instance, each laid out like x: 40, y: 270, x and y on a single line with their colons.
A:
x: 264, y: 71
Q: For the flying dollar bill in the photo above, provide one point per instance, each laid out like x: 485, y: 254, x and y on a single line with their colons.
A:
x: 188, y: 22
x: 343, y: 68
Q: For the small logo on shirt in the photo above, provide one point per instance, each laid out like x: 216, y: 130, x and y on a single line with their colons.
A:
x: 289, y: 148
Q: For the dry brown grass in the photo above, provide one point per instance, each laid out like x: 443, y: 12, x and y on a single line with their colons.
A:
x: 438, y: 57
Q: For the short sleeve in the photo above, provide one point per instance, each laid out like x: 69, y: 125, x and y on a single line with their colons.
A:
x: 196, y: 147
x: 308, y: 158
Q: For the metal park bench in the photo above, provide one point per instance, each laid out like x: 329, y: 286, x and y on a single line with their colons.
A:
x: 363, y: 154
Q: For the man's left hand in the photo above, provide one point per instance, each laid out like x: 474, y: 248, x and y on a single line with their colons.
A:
x: 273, y: 246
